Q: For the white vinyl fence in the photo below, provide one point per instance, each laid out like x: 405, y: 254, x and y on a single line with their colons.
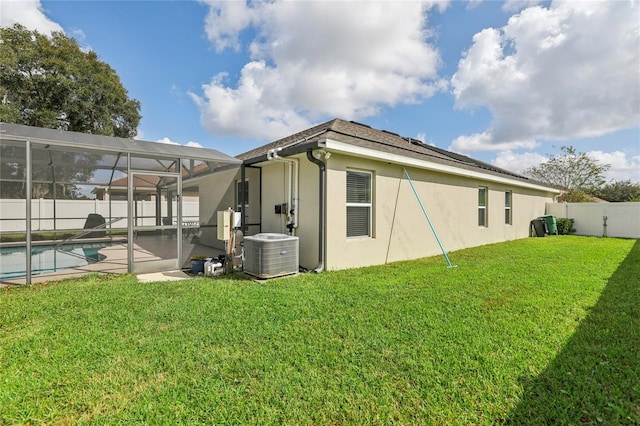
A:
x: 72, y: 214
x: 622, y: 219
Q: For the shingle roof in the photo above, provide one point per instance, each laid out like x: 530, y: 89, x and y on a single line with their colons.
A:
x: 311, y: 134
x: 361, y: 135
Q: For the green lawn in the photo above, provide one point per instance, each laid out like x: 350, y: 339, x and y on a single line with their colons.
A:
x: 535, y: 331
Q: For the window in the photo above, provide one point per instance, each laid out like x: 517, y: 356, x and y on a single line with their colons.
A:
x: 507, y: 207
x: 482, y: 206
x: 358, y: 204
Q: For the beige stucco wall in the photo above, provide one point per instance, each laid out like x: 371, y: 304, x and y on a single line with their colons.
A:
x: 218, y: 192
x: 275, y: 178
x: 400, y: 230
x: 274, y: 191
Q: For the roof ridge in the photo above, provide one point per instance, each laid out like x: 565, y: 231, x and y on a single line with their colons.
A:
x: 452, y: 156
x: 383, y: 138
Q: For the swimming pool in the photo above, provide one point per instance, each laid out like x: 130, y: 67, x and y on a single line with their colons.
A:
x: 46, y: 259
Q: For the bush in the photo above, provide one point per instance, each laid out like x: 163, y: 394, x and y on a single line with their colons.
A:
x: 565, y: 226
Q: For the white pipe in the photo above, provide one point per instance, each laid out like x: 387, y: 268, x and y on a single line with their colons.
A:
x: 272, y: 155
x: 289, y: 204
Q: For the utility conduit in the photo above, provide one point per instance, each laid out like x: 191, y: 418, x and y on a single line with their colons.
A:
x: 292, y: 194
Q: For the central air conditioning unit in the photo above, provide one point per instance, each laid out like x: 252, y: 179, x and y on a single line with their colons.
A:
x: 270, y: 255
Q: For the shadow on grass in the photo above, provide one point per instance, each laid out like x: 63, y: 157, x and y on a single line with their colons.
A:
x: 595, y: 379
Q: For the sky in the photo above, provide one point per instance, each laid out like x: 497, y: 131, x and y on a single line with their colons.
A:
x: 506, y: 82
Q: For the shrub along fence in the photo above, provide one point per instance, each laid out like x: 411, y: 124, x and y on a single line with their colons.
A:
x: 600, y: 219
x: 565, y: 226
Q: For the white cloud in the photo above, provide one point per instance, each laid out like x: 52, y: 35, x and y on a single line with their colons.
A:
x: 79, y: 35
x: 312, y: 60
x: 517, y: 163
x: 515, y: 5
x: 486, y: 142
x: 567, y: 71
x: 472, y: 4
x: 623, y: 166
x: 28, y: 13
x: 422, y: 137
x: 168, y: 141
x: 139, y: 135
x: 225, y: 20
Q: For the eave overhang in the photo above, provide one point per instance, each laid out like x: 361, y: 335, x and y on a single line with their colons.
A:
x: 349, y: 149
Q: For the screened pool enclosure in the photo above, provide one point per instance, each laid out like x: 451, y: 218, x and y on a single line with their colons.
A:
x: 74, y: 203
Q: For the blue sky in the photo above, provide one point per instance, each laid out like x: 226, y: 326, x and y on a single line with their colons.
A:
x: 504, y: 82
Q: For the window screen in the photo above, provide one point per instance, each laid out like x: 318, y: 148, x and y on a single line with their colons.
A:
x: 482, y: 206
x: 239, y: 206
x: 358, y: 204
x: 507, y: 207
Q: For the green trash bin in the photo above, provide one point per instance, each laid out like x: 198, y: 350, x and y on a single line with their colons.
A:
x: 552, y: 226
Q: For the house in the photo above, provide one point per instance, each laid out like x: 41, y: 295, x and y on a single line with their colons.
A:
x: 146, y: 189
x: 343, y: 188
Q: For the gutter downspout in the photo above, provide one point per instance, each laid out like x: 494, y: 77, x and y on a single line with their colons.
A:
x: 321, y: 216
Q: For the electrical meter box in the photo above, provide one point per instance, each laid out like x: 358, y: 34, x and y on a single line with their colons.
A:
x: 224, y: 223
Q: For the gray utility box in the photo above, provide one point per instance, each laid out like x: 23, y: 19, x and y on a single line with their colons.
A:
x: 270, y: 255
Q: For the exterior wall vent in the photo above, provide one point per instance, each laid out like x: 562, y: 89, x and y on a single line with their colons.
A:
x: 269, y: 255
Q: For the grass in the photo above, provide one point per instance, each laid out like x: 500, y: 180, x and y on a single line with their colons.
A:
x: 535, y: 331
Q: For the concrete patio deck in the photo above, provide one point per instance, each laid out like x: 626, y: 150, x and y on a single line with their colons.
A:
x: 146, y: 248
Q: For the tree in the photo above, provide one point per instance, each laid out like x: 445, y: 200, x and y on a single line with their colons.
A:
x: 623, y: 190
x: 575, y: 172
x: 50, y: 82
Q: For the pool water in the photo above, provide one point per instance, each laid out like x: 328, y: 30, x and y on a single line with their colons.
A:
x: 46, y: 259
